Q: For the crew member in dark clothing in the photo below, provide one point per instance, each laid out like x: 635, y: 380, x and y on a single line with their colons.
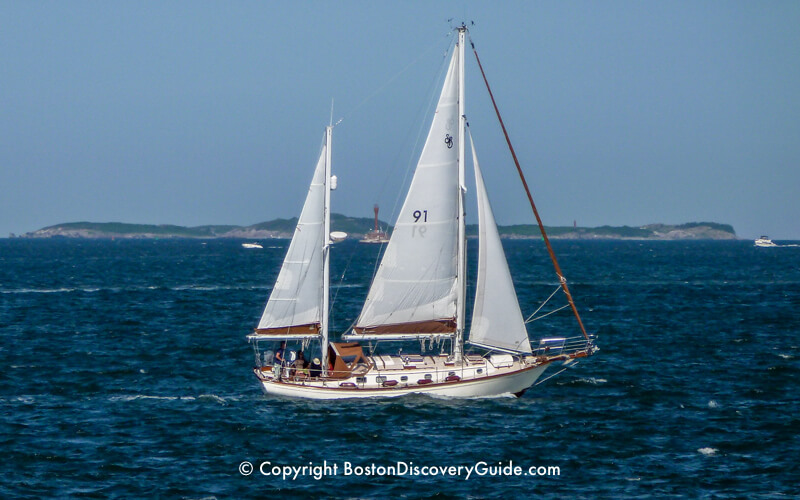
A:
x: 315, y: 369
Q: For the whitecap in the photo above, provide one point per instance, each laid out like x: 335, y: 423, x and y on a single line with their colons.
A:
x: 712, y: 404
x: 707, y: 451
x: 134, y: 397
x: 212, y: 397
x: 592, y: 380
x: 505, y: 395
x: 40, y: 290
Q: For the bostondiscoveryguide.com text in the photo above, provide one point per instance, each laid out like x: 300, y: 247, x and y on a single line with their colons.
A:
x: 401, y: 468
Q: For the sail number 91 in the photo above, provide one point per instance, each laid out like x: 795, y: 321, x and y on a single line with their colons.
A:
x: 420, y: 215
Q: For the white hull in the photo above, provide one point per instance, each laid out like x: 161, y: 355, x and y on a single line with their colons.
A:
x: 493, y: 382
x: 764, y: 241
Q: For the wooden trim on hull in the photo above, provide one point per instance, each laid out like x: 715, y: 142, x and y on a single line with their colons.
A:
x: 441, y: 388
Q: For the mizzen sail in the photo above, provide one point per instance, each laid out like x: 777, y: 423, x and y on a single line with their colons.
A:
x: 294, y: 307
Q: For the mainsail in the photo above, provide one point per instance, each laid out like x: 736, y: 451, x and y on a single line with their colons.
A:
x: 415, y: 291
x: 496, y: 318
x: 294, y: 308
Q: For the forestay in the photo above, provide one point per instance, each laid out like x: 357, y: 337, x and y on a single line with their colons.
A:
x: 294, y: 307
x: 496, y: 318
x: 414, y: 290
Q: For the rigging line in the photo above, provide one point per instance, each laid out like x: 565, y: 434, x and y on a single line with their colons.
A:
x: 530, y: 198
x: 420, y: 131
x: 543, y: 303
x: 341, y: 280
x: 547, y: 314
x: 392, y: 79
x: 572, y: 365
x: 393, y: 214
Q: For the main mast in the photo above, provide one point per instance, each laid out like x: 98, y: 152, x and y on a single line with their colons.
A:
x: 326, y: 252
x: 458, y: 344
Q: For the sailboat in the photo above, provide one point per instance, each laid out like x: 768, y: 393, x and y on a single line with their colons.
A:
x: 418, y: 292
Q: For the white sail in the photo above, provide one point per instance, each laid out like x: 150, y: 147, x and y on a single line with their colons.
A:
x: 496, y: 318
x: 414, y: 290
x: 294, y: 307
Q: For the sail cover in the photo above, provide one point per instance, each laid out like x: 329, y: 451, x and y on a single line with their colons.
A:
x: 414, y: 290
x: 496, y: 318
x: 294, y: 307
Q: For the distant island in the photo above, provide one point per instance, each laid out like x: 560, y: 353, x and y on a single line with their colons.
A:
x: 356, y: 227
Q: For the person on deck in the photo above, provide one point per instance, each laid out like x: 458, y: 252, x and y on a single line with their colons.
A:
x: 315, y: 369
x: 299, y: 365
x: 279, y: 361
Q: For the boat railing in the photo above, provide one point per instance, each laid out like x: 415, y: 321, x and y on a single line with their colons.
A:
x: 289, y: 372
x: 566, y: 347
x: 436, y: 374
x: 548, y: 350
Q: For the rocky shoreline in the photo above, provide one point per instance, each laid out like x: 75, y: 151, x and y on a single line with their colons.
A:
x: 357, y: 227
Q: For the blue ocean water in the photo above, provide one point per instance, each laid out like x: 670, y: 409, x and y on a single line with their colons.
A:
x: 124, y: 373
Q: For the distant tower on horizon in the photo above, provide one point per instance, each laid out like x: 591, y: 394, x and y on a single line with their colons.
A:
x: 376, y: 235
x: 574, y: 223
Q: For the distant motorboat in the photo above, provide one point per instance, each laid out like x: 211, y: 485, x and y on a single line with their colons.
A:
x: 764, y: 241
x: 251, y: 245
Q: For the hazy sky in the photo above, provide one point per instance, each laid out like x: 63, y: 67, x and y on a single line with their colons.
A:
x: 622, y: 113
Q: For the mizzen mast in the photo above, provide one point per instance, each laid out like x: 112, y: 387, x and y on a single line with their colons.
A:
x: 326, y: 251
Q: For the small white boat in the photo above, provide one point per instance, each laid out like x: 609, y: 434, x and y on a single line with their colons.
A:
x: 418, y: 293
x: 251, y: 245
x: 337, y: 236
x: 764, y: 241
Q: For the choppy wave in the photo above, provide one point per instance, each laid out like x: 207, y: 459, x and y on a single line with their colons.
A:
x: 176, y: 288
x: 136, y: 397
x: 124, y: 373
x: 589, y: 380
